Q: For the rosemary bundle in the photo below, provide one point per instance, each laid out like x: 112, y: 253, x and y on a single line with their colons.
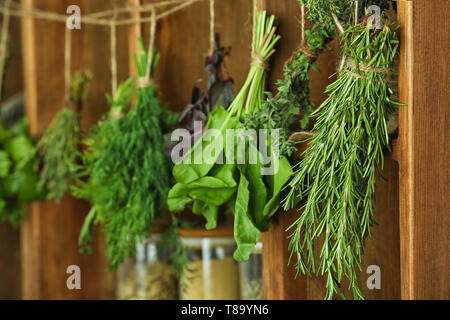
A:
x: 338, y: 172
x: 61, y: 141
x: 132, y: 172
x: 252, y: 197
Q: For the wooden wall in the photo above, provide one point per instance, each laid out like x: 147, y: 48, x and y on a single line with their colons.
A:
x: 424, y: 152
x: 49, y: 236
x: 10, y: 278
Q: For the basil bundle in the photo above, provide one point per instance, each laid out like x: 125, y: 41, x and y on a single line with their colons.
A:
x: 252, y: 197
x: 338, y: 172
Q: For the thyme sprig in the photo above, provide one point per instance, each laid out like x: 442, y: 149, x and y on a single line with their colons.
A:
x: 338, y: 172
x: 293, y: 98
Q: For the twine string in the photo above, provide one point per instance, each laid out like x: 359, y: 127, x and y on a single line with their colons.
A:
x: 212, y: 41
x: 350, y: 65
x: 257, y: 60
x: 302, y: 26
x: 18, y: 11
x: 67, y: 62
x: 147, y: 81
x: 4, y: 43
x: 113, y: 42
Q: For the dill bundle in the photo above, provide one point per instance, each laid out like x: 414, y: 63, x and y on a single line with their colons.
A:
x: 86, y: 185
x: 338, y: 172
x: 60, y: 143
x: 132, y: 172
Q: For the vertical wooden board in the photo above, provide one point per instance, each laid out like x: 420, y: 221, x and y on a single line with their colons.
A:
x: 50, y: 234
x: 424, y: 133
x: 10, y: 278
x: 383, y: 247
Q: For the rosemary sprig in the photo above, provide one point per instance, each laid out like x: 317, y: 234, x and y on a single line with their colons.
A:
x: 337, y: 174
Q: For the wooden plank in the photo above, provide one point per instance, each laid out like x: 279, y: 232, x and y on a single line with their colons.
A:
x: 424, y: 133
x: 10, y: 284
x: 50, y: 234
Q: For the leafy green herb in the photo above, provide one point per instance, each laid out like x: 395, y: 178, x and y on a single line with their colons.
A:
x: 19, y: 177
x: 337, y: 174
x: 293, y: 98
x: 61, y: 141
x: 205, y: 187
x: 130, y: 177
x: 85, y: 186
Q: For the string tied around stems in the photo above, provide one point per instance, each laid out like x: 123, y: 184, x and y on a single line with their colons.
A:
x: 113, y: 34
x: 67, y: 63
x: 4, y: 43
x: 259, y: 62
x: 147, y: 81
x: 212, y: 39
x: 350, y: 65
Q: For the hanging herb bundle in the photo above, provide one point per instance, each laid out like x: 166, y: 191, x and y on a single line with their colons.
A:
x: 61, y: 141
x: 86, y: 185
x: 338, y: 172
x: 132, y: 171
x: 219, y: 92
x: 19, y: 173
x: 252, y: 197
x: 293, y: 98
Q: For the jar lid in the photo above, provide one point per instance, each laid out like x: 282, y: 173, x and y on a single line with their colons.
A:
x: 222, y: 232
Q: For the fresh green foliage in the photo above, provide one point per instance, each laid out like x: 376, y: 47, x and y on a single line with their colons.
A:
x: 321, y: 10
x: 19, y: 176
x: 130, y: 177
x: 293, y: 98
x: 338, y: 172
x: 60, y: 143
x: 87, y: 186
x: 252, y: 197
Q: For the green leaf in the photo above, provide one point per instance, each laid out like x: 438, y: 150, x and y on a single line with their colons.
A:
x: 20, y: 148
x: 210, y: 213
x: 213, y: 190
x: 5, y: 164
x: 220, y: 120
x: 246, y: 234
x: 277, y: 182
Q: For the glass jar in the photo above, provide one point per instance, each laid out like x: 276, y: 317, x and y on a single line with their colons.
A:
x: 149, y: 275
x: 251, y: 275
x: 211, y: 272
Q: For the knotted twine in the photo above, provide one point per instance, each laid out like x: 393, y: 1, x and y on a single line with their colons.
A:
x: 350, y: 65
x: 4, y: 43
x: 212, y: 42
x: 113, y: 42
x: 146, y: 81
x: 67, y: 63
